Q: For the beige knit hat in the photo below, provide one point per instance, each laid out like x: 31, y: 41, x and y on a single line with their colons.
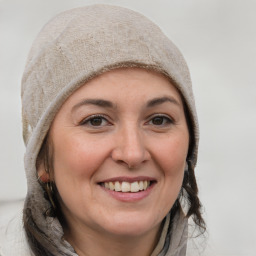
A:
x: 81, y: 43
x: 74, y: 47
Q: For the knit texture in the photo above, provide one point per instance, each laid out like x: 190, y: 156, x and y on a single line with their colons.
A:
x: 71, y: 49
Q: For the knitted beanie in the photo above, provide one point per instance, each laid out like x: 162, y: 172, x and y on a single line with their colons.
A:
x: 78, y: 45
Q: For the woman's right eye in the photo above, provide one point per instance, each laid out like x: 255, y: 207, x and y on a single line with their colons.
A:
x: 95, y: 121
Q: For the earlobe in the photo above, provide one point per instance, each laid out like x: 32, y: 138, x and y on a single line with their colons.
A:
x: 43, y: 176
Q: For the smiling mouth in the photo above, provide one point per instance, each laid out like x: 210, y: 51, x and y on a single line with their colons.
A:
x: 126, y: 187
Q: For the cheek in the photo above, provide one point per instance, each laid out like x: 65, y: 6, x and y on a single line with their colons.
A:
x: 75, y: 165
x: 77, y: 157
x: 172, y: 159
x: 172, y: 156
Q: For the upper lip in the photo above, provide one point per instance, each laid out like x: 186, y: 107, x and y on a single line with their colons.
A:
x: 129, y: 179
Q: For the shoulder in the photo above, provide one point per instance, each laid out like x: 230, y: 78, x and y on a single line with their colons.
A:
x: 12, y: 235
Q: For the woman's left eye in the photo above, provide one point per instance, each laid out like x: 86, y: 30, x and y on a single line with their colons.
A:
x: 160, y: 120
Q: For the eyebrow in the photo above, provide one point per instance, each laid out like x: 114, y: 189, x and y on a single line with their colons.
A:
x: 97, y: 102
x: 161, y: 100
x: 109, y: 104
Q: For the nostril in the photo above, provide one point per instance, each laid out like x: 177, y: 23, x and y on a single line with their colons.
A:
x: 130, y: 152
x: 126, y: 164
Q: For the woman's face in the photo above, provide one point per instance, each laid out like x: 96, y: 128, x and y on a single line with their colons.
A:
x: 120, y: 145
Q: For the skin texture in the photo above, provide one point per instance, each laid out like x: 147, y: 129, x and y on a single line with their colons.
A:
x: 143, y: 133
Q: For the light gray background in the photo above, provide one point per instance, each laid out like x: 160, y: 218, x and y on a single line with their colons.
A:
x: 218, y: 40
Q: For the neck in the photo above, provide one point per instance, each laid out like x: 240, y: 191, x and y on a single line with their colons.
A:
x: 88, y: 242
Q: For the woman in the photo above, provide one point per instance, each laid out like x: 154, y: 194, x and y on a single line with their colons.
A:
x: 111, y: 136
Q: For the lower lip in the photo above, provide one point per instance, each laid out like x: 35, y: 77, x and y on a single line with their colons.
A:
x: 129, y: 196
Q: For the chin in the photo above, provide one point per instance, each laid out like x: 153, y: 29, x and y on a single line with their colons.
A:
x: 131, y: 225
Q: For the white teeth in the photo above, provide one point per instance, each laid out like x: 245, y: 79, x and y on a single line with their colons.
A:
x: 111, y: 186
x: 118, y: 186
x: 135, y: 187
x: 125, y: 186
x: 145, y: 184
x: 141, y: 185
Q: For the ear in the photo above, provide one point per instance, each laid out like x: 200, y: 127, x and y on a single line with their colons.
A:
x: 42, y: 174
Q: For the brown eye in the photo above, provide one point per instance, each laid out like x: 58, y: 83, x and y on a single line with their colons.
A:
x: 158, y: 120
x: 96, y: 121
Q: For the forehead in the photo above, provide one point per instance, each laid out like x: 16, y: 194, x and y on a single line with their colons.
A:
x: 127, y: 83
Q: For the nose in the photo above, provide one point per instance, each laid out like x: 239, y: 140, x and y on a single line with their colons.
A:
x: 130, y: 148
